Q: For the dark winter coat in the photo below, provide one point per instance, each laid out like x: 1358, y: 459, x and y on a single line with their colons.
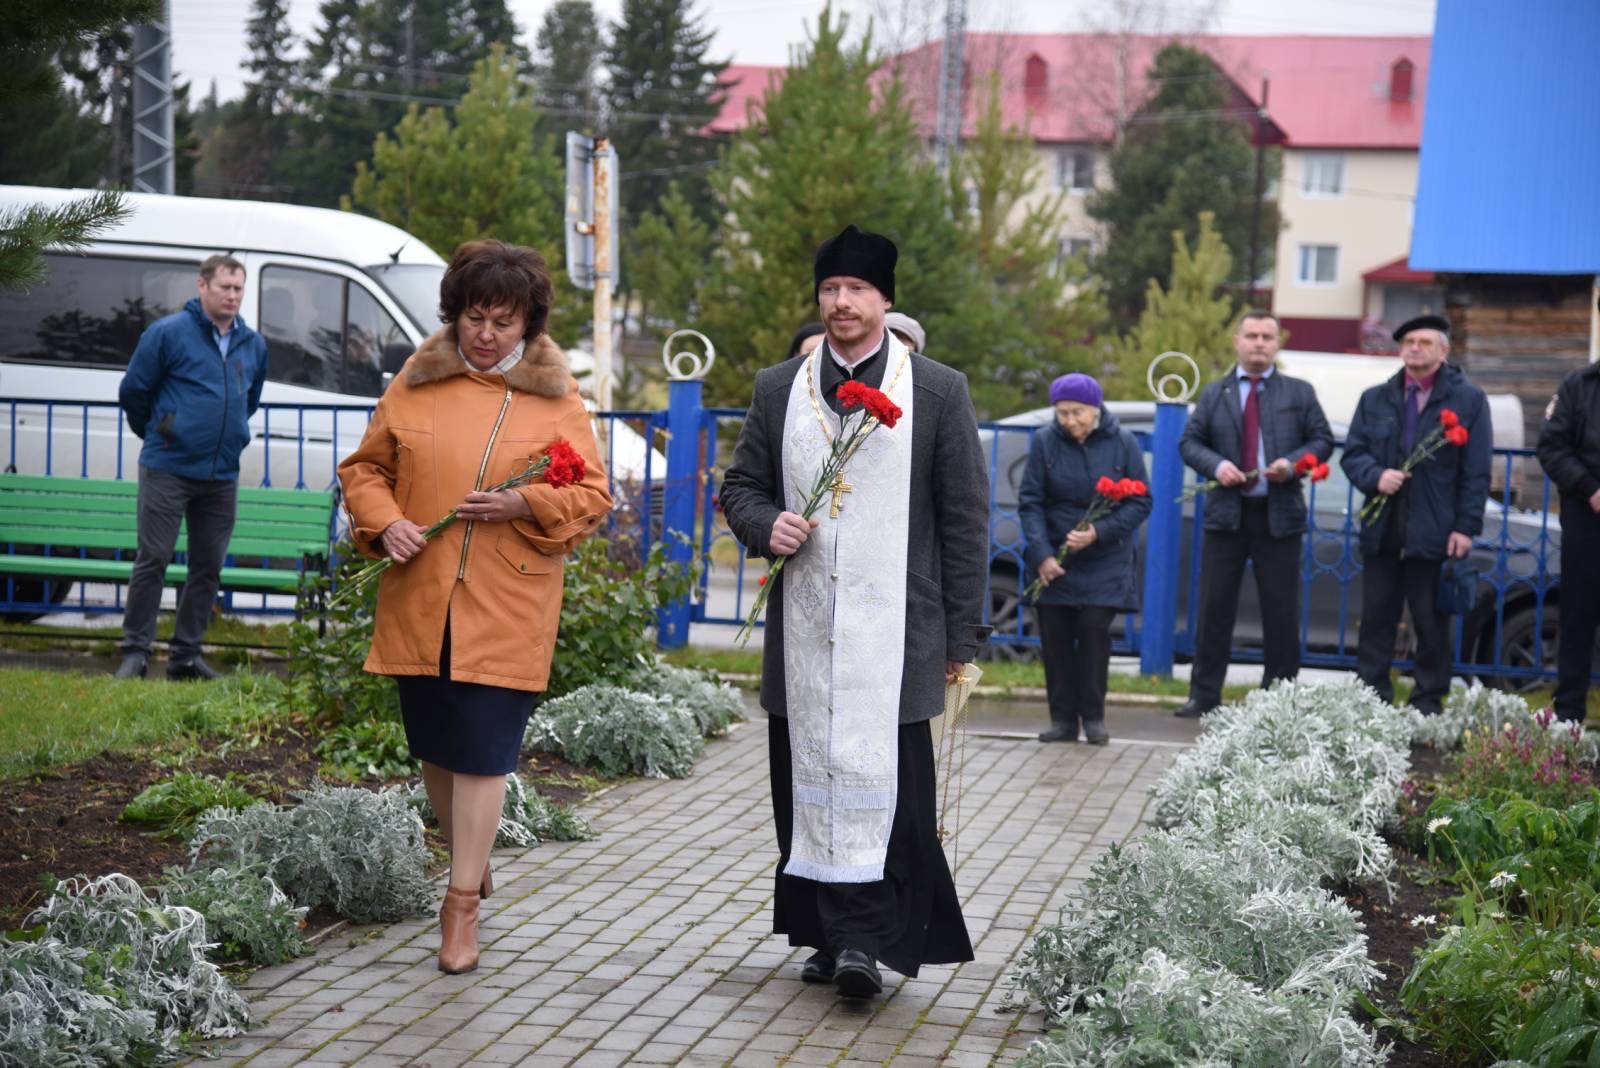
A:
x: 1057, y: 489
x: 1446, y: 492
x: 947, y: 551
x: 1569, y: 444
x: 191, y: 406
x: 1292, y: 424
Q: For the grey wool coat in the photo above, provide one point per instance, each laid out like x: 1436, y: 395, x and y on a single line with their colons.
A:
x: 947, y: 551
x: 1292, y: 424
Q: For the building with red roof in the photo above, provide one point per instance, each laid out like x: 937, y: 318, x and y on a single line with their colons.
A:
x: 1345, y: 111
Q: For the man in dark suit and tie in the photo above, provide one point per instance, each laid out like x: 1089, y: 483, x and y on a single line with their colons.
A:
x: 1248, y: 431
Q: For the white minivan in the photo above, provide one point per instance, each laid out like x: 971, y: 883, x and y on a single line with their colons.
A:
x: 341, y: 299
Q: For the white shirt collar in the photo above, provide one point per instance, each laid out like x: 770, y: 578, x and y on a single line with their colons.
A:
x: 1244, y: 375
x: 840, y: 360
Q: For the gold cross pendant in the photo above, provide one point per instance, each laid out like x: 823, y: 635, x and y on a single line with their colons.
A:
x: 839, y: 487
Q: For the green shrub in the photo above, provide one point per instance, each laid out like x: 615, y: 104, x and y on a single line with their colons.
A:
x: 608, y: 613
x: 328, y: 683
x: 370, y: 748
x: 526, y: 819
x: 112, y: 977
x: 247, y: 916
x: 359, y: 851
x: 1499, y: 987
x: 617, y: 732
x: 714, y: 704
x: 174, y: 804
x: 1484, y: 711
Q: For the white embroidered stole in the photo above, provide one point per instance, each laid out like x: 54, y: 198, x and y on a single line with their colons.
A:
x: 844, y: 619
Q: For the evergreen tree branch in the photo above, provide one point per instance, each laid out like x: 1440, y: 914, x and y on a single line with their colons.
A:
x: 27, y: 233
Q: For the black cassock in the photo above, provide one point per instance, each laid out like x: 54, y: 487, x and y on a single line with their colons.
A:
x: 909, y: 918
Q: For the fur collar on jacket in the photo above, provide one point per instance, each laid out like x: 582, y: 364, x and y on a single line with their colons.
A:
x: 542, y: 371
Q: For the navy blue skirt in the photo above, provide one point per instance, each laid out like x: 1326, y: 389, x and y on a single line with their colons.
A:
x: 463, y: 726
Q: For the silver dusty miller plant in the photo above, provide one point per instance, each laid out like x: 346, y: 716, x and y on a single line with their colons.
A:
x: 617, y: 732
x: 1244, y: 904
x: 715, y: 705
x: 1160, y: 1009
x: 1487, y: 711
x: 359, y: 851
x: 246, y: 914
x: 116, y: 977
x: 1337, y: 746
x: 526, y: 819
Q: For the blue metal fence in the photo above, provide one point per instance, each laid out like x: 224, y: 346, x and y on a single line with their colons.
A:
x: 1509, y: 636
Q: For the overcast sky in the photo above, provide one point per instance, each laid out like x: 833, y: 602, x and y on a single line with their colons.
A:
x: 209, y: 44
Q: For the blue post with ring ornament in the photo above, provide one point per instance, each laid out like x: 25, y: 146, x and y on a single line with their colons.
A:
x: 1159, y: 617
x: 686, y: 370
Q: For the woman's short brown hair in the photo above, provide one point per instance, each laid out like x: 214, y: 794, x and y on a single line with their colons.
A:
x: 493, y: 274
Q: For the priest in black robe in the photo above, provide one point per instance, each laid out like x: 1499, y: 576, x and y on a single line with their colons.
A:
x: 878, y: 607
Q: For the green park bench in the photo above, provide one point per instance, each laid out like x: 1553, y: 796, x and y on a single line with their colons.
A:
x: 279, y: 535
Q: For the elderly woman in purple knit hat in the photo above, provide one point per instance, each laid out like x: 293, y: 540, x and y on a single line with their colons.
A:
x: 1083, y: 592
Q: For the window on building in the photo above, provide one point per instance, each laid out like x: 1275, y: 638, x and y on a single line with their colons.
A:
x: 1322, y: 174
x: 1319, y: 265
x: 1069, y: 248
x: 90, y: 310
x: 1077, y: 169
x: 302, y: 319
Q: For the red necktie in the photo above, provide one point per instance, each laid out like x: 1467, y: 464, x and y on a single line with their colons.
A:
x: 1252, y: 429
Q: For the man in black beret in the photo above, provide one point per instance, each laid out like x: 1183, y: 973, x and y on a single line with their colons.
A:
x: 878, y: 607
x: 1434, y: 510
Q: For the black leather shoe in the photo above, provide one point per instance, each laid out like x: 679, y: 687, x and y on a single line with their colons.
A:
x: 1095, y: 733
x: 133, y: 666
x: 856, y: 976
x: 1192, y: 709
x: 1059, y: 733
x: 818, y: 968
x: 196, y: 670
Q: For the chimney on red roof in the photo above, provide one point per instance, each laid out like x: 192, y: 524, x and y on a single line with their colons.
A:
x: 1400, y: 81
x: 1035, y: 80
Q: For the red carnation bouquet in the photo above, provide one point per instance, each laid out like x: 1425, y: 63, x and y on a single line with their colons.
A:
x: 560, y: 465
x: 1306, y: 466
x: 876, y: 409
x: 1448, y: 432
x: 1109, y: 493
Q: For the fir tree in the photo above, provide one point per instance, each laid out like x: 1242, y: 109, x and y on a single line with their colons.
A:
x: 1185, y: 152
x: 1036, y: 311
x: 672, y: 247
x: 831, y: 146
x: 1192, y: 314
x: 481, y: 172
x: 662, y: 92
x: 566, y: 56
x: 367, y: 61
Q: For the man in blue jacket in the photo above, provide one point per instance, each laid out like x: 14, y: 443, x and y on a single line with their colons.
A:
x: 1248, y: 431
x: 1433, y: 511
x: 190, y: 390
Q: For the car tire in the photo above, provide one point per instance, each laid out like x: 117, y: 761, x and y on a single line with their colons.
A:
x: 1005, y: 600
x: 1517, y: 645
x: 30, y: 588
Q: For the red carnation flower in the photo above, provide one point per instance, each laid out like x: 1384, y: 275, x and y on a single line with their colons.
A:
x: 1306, y: 464
x: 852, y: 394
x: 566, y: 464
x: 1319, y: 472
x: 1456, y: 435
x: 1127, y: 487
x: 1448, y: 419
x: 762, y: 581
x: 1139, y: 488
x: 1105, y: 487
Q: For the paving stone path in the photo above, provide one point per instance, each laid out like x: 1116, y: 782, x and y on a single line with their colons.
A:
x: 652, y: 944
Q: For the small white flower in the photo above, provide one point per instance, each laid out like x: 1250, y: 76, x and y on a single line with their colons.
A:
x: 1497, y: 915
x: 1435, y: 825
x: 1423, y: 920
x: 1501, y: 878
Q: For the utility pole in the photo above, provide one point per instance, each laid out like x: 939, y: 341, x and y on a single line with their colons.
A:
x: 152, y: 105
x: 952, y: 69
x: 409, y: 76
x: 1261, y: 180
x: 603, y: 273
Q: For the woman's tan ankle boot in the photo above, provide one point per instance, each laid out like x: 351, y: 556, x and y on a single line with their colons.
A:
x: 458, y: 931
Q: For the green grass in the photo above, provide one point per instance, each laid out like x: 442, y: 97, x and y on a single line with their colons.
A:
x: 51, y: 719
x: 31, y: 637
x: 1004, y: 674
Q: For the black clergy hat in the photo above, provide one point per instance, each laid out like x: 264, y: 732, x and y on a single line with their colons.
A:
x: 854, y: 253
x: 1423, y: 322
